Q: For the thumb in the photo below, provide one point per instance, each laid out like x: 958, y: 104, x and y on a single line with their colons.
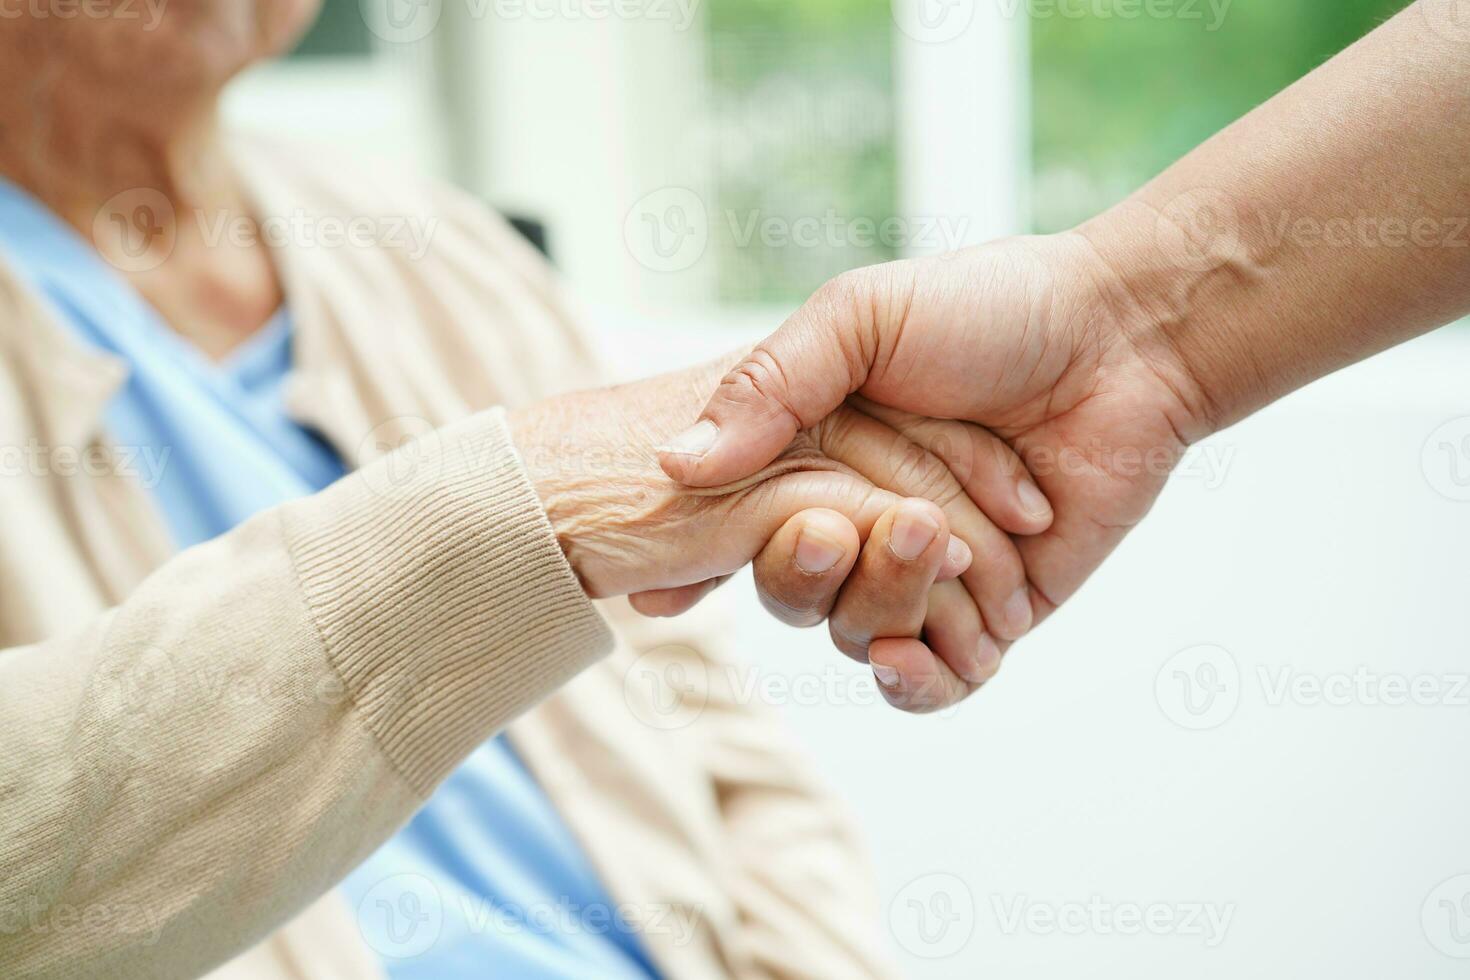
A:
x: 789, y: 381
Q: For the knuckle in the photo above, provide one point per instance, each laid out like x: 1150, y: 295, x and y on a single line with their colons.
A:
x: 995, y: 454
x: 798, y: 613
x: 845, y: 640
x: 999, y: 566
x: 846, y: 291
x: 932, y: 694
x: 759, y: 379
x: 836, y: 432
x: 922, y: 474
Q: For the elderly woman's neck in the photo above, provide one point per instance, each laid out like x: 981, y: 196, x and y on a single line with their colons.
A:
x: 77, y: 165
x: 151, y: 199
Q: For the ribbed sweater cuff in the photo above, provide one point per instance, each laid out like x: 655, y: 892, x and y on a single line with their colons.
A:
x: 441, y: 594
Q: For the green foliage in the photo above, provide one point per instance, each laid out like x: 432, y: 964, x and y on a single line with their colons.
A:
x: 1117, y: 100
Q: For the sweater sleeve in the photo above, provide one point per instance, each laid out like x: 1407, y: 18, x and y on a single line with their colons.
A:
x: 186, y: 772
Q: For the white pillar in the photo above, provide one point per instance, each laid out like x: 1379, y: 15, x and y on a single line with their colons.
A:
x: 961, y: 68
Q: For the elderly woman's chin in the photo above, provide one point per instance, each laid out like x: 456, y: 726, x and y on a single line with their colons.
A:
x: 194, y: 42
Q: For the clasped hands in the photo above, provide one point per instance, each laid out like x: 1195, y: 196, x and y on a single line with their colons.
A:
x: 924, y: 455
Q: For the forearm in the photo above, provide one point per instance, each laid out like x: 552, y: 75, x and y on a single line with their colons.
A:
x: 1329, y: 224
x: 185, y: 773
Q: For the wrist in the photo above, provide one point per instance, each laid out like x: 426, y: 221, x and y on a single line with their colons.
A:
x: 578, y: 486
x: 1181, y: 286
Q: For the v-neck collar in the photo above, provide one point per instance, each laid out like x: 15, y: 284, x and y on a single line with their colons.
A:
x: 80, y: 379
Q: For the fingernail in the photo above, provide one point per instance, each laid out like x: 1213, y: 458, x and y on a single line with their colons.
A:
x: 912, y: 533
x: 1018, y: 612
x: 1033, y: 501
x: 958, y: 554
x: 988, y: 655
x: 695, y: 440
x: 816, y: 553
x: 886, y: 675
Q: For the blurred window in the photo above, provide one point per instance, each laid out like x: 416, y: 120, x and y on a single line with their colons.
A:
x: 339, y: 31
x: 803, y: 143
x: 1117, y: 99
